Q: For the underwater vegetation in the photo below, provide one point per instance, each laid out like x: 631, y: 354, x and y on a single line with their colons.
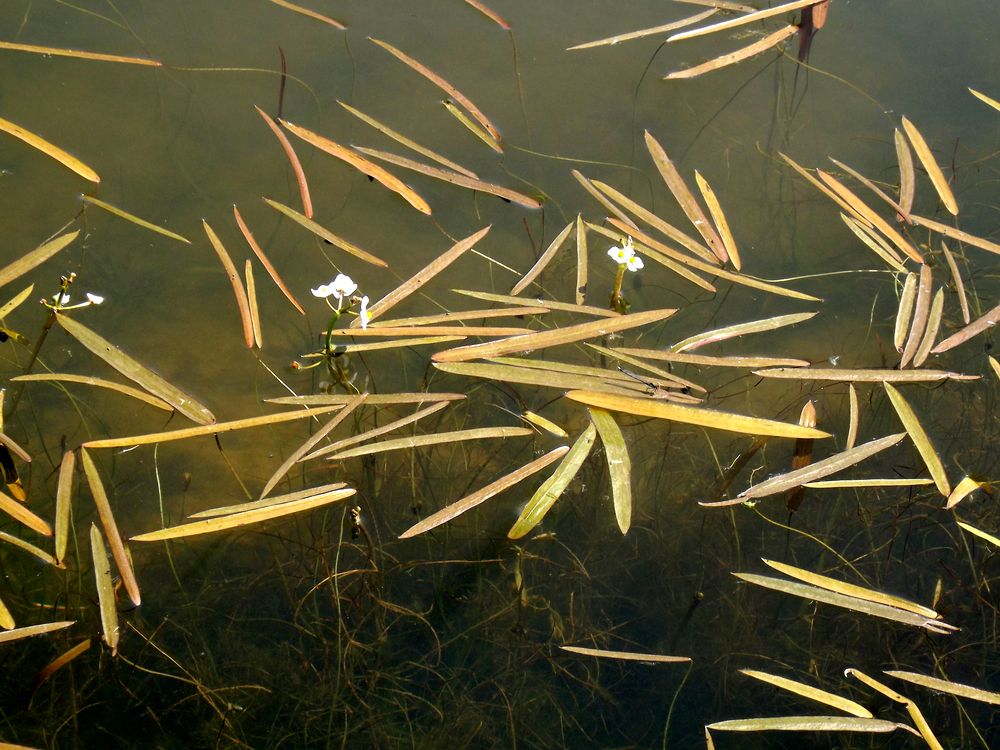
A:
x: 425, y: 377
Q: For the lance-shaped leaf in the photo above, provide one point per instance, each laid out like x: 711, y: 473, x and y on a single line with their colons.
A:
x: 626, y: 655
x: 36, y: 257
x: 421, y: 441
x: 904, y: 313
x: 938, y: 179
x: 543, y: 259
x: 18, y: 512
x: 6, y: 618
x: 812, y: 693
x: 907, y: 175
x: 619, y: 465
x: 373, y: 433
x: 49, y: 149
x: 744, y: 19
x: 259, y: 252
x: 30, y: 630
x: 847, y: 602
x: 921, y: 310
x: 136, y: 372
x: 806, y: 723
x: 236, y: 520
x: 980, y: 324
x: 121, y: 214
x: 550, y: 490
x: 424, y: 275
x: 310, y: 13
x: 641, y: 33
x: 731, y: 58
x: 863, y: 376
x: 506, y: 299
x: 332, y: 492
x: 956, y: 277
x: 489, y: 13
x: 79, y: 54
x: 30, y: 548
x: 919, y: 437
x: 963, y: 489
x: 720, y: 420
x: 980, y: 533
x: 911, y: 708
x: 818, y: 470
x: 740, y: 329
x: 125, y: 390
x: 122, y: 560
x: 555, y: 337
x: 64, y: 501
x: 947, y: 686
x: 105, y: 590
x: 362, y: 164
x: 482, y: 495
x: 293, y: 160
x: 325, y: 234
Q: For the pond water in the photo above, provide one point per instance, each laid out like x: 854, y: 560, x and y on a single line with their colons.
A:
x: 325, y: 629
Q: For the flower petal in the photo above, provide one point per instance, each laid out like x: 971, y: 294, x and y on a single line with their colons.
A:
x: 364, y: 314
x: 94, y: 299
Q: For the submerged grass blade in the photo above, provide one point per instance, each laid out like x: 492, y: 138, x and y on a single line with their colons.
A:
x: 424, y: 275
x: 115, y: 211
x: 550, y: 490
x: 237, y: 520
x: 242, y: 303
x: 105, y: 590
x: 122, y: 560
x: 555, y: 337
x: 933, y: 169
x: 626, y: 655
x: 619, y: 465
x: 325, y: 234
x: 480, y: 496
x: 743, y: 53
x: 645, y: 407
x: 361, y: 164
x: 214, y: 428
x: 812, y: 693
x: 49, y: 149
x: 919, y: 437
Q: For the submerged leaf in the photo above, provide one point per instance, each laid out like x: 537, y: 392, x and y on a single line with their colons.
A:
x: 36, y: 257
x: 626, y: 655
x: 919, y: 437
x: 50, y: 149
x: 105, y: 590
x: 812, y: 693
x: 122, y: 559
x: 805, y: 724
x: 619, y: 465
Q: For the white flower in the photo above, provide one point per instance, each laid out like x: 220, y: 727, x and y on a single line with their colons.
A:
x: 364, y: 315
x: 340, y: 287
x: 625, y: 256
x: 61, y: 299
x: 94, y: 299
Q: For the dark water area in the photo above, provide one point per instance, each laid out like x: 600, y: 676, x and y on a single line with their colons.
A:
x: 324, y: 629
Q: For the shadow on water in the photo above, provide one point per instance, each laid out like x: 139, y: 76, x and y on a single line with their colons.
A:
x: 328, y: 629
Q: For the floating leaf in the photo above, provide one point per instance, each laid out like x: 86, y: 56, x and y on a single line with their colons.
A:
x: 64, y: 501
x: 325, y: 234
x: 79, y: 54
x: 920, y: 439
x: 805, y: 723
x: 982, y: 97
x: 115, y: 211
x: 293, y: 160
x: 895, y: 482
x: 54, y: 666
x: 400, y: 138
x: 907, y: 175
x: 210, y: 429
x: 900, y: 212
x: 507, y: 299
x: 369, y: 434
x: 545, y: 378
x: 555, y: 337
x: 63, y: 377
x: 473, y: 127
x: 963, y: 489
x: 105, y: 590
x: 963, y: 301
x: 904, y: 313
x: 50, y: 150
x: 34, y: 258
x: 713, y: 361
x: 587, y: 185
x: 379, y: 399
x: 136, y: 372
x: 459, y: 315
x: 581, y: 261
x: 818, y: 470
x: 911, y: 708
x: 489, y: 13
x: 947, y: 686
x: 312, y: 493
x: 719, y: 420
x: 641, y: 33
x: 122, y: 560
x: 619, y: 465
x: 956, y: 234
x: 482, y: 495
x: 310, y: 13
x: 549, y: 426
x: 6, y: 618
x: 442, y: 84
x: 715, y: 209
x: 248, y: 236
x: 550, y: 490
x: 849, y: 589
x: 16, y: 301
x: 422, y: 441
x: 854, y: 604
x: 30, y: 548
x: 938, y: 179
x: 742, y: 20
x: 754, y: 326
x: 361, y: 164
x: 980, y: 533
x: 424, y: 275
x: 931, y: 329
x: 258, y: 338
x: 874, y: 240
x: 625, y: 655
x: 424, y: 330
x: 812, y: 693
x: 743, y: 53
x: 852, y: 425
x: 979, y: 325
x: 543, y: 259
x: 27, y: 632
x: 18, y: 512
x: 236, y: 520
x: 921, y: 310
x: 863, y: 376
